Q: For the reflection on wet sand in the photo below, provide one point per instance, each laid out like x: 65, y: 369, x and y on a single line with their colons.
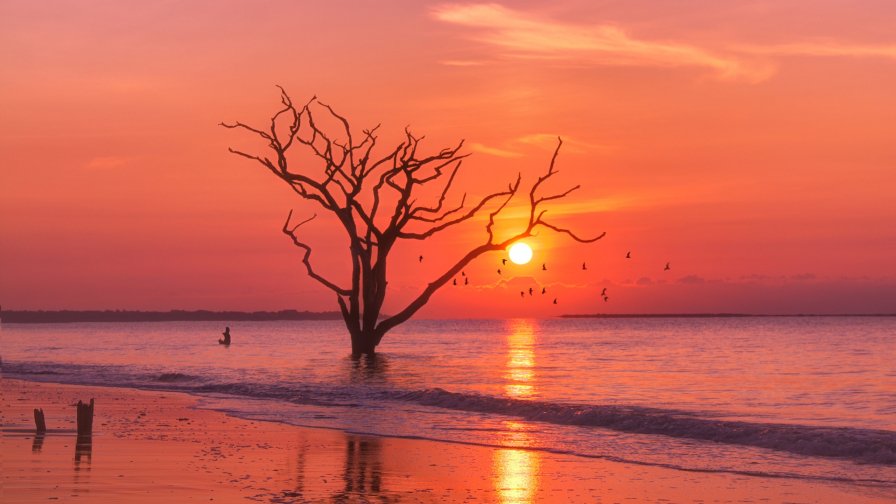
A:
x: 299, y: 489
x: 83, y: 458
x: 83, y: 452
x: 516, y: 475
x: 38, y: 444
x: 363, y: 471
x: 516, y: 470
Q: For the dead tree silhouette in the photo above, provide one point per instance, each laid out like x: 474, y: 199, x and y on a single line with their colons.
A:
x: 375, y: 199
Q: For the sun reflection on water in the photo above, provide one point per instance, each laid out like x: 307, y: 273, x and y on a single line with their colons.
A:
x: 517, y: 469
x: 519, y: 370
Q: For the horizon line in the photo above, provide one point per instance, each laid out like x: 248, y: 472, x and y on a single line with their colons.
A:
x: 179, y: 315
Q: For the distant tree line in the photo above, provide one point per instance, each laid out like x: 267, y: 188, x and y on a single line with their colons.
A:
x: 65, y: 316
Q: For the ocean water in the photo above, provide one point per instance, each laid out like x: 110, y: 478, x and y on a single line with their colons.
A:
x: 792, y: 397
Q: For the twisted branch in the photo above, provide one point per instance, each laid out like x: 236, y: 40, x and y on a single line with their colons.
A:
x: 306, y: 258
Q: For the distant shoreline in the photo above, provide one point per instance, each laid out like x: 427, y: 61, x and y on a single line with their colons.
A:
x: 721, y: 315
x: 73, y: 316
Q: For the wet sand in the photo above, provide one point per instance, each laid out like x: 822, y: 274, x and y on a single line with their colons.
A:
x: 157, y: 447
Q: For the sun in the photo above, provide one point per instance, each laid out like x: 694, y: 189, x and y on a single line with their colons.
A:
x: 520, y: 253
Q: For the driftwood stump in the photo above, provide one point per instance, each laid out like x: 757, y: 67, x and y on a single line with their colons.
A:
x: 85, y: 419
x: 39, y: 424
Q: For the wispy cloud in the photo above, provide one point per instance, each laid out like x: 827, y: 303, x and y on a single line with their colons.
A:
x: 548, y: 141
x: 494, y: 151
x: 522, y: 35
x: 519, y: 212
x: 824, y: 48
x: 545, y: 141
x: 464, y: 63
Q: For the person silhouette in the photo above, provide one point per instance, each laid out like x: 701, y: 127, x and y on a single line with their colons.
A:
x: 226, y: 339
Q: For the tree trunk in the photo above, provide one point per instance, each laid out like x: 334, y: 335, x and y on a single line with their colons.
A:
x: 363, y: 343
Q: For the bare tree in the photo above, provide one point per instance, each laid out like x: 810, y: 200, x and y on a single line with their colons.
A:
x: 374, y: 198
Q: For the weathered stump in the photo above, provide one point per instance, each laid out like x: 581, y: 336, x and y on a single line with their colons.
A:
x: 85, y: 419
x: 39, y: 424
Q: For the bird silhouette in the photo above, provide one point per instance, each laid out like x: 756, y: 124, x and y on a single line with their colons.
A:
x: 421, y: 259
x: 543, y: 290
x: 503, y: 262
x: 555, y: 300
x: 628, y: 255
x: 530, y: 291
x: 667, y: 268
x: 455, y: 281
x: 499, y: 271
x: 606, y: 298
x: 466, y: 280
x: 603, y: 292
x: 463, y: 274
x: 522, y: 294
x: 544, y: 267
x: 584, y: 267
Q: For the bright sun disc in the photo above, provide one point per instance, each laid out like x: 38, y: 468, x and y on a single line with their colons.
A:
x: 520, y: 253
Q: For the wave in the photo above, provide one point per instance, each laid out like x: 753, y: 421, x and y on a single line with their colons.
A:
x: 856, y: 444
x: 866, y: 446
x: 39, y: 372
x: 175, y: 377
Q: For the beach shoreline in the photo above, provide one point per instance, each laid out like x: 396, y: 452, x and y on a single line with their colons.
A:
x: 150, y: 446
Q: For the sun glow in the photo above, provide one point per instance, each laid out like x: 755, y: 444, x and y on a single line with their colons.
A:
x: 520, y: 253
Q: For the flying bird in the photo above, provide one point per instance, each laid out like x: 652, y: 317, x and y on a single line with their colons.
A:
x: 503, y: 262
x: 466, y: 280
x: 462, y: 273
x: 555, y: 300
x: 606, y: 298
x: 421, y: 258
x: 544, y: 267
x: 667, y: 268
x: 522, y: 294
x: 628, y: 255
x: 604, y: 292
x: 584, y: 267
x: 499, y: 271
x: 455, y: 281
x: 530, y: 291
x: 543, y: 290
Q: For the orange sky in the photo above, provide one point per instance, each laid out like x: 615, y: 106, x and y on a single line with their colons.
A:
x: 749, y: 143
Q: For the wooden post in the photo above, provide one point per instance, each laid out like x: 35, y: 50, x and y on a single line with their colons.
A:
x: 39, y: 424
x: 85, y: 418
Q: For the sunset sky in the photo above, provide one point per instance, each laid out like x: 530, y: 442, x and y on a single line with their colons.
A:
x: 750, y: 144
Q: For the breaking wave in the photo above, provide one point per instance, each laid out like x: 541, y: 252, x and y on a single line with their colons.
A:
x: 175, y: 377
x: 861, y: 445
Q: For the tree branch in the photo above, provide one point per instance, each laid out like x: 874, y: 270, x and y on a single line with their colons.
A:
x: 357, y: 185
x: 306, y: 259
x: 489, y: 246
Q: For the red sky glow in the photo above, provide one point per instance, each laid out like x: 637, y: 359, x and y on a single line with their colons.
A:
x: 750, y: 144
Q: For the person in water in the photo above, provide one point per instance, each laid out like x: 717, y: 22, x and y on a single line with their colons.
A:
x: 226, y: 339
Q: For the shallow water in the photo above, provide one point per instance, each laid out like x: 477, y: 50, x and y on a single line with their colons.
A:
x: 779, y: 396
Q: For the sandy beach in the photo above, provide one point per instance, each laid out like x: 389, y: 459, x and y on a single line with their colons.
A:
x: 158, y: 447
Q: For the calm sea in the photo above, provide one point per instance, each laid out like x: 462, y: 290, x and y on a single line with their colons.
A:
x: 781, y: 396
